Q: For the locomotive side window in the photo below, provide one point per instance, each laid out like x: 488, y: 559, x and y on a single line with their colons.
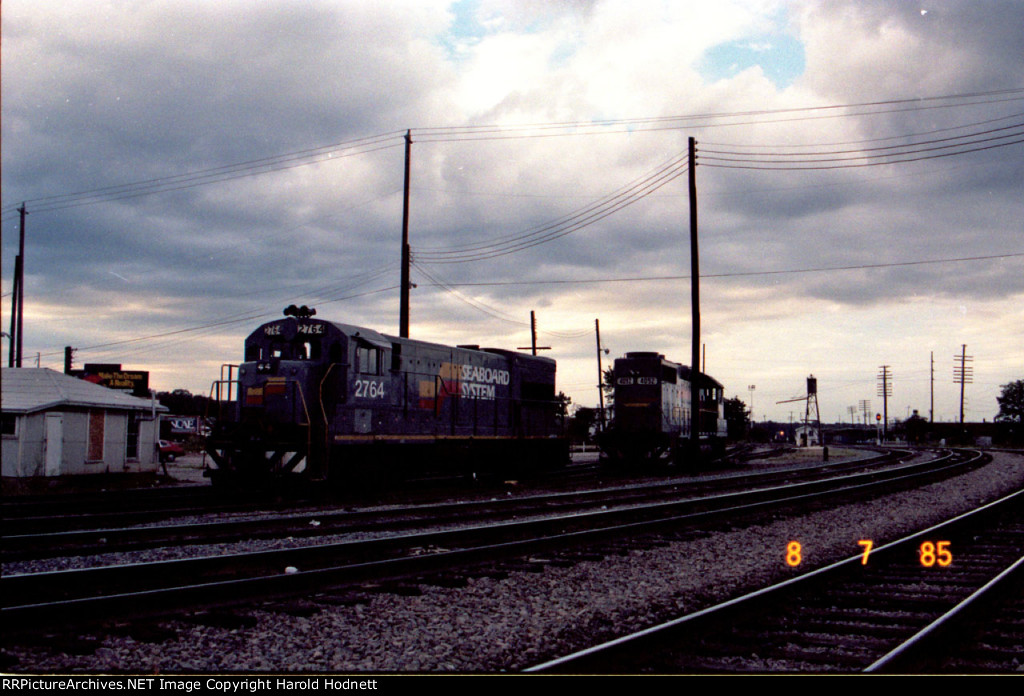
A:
x: 369, y: 360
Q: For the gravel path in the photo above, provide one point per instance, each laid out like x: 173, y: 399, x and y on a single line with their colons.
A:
x: 505, y: 625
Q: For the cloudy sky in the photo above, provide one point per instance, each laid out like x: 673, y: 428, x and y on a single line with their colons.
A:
x: 190, y: 168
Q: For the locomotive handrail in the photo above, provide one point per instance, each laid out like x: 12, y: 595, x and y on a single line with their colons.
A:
x: 323, y: 410
x: 309, y: 422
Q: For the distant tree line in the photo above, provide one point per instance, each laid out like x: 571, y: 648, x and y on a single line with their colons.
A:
x: 181, y: 402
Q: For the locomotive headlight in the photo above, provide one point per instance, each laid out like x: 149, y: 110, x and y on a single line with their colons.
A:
x: 263, y: 367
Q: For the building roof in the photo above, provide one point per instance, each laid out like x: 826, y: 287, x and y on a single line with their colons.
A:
x: 30, y: 389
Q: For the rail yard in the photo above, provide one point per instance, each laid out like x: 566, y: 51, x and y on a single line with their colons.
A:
x: 507, y: 578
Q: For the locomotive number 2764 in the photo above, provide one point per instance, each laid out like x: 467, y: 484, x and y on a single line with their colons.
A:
x: 369, y: 390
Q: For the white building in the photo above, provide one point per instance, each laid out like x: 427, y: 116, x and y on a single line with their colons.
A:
x: 806, y: 436
x: 56, y: 425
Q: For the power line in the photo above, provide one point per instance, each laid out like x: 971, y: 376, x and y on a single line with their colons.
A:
x: 677, y: 122
x: 745, y: 274
x: 213, y: 175
x: 490, y: 310
x: 560, y: 227
x: 910, y: 153
x: 391, y: 139
x: 217, y: 323
x: 919, y: 146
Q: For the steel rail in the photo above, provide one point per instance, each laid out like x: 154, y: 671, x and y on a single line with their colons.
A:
x: 930, y: 634
x: 322, y: 522
x: 35, y: 599
x: 597, y: 658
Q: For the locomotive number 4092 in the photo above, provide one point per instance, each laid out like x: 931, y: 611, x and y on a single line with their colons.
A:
x: 366, y: 389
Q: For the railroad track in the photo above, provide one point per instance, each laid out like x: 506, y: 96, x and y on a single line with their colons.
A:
x: 18, y: 545
x: 55, y: 513
x: 37, y: 600
x: 948, y: 598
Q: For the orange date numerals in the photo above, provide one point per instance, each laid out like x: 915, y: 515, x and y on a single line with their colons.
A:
x: 867, y: 544
x: 793, y: 554
x: 935, y: 553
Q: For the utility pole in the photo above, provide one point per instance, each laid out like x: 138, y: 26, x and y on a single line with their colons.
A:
x: 533, y: 336
x: 18, y: 296
x: 12, y: 349
x: 600, y: 373
x: 533, y: 332
x: 403, y: 309
x: 885, y: 391
x: 963, y: 375
x: 865, y: 408
x: 931, y: 403
x: 694, y: 302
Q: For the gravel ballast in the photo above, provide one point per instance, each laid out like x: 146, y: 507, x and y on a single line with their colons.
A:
x: 498, y: 625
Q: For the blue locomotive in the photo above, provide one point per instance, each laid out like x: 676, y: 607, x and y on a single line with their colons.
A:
x: 652, y: 418
x: 322, y: 400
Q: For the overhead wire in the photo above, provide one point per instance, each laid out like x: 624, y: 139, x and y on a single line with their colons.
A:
x: 889, y: 154
x: 563, y: 226
x: 489, y: 310
x: 474, y: 132
x: 573, y: 222
x: 476, y: 304
x: 737, y: 274
x: 700, y: 121
x: 201, y: 177
x: 235, y: 319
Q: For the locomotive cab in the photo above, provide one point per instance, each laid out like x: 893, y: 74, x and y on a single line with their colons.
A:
x: 290, y: 366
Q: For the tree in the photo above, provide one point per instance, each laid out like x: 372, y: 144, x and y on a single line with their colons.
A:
x: 563, y: 400
x: 608, y: 386
x: 182, y: 402
x: 1011, y: 403
x: 736, y: 418
x: 581, y: 423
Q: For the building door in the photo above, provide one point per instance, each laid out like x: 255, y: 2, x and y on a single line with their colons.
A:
x: 54, y: 445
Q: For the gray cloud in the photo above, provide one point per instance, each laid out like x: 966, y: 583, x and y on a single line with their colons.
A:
x: 95, y: 98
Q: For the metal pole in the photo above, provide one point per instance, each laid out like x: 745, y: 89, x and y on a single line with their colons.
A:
x: 694, y: 300
x: 403, y: 310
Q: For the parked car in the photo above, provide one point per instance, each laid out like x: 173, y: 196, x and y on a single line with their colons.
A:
x: 169, y: 451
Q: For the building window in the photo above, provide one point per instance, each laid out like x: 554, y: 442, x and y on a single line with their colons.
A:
x: 94, y: 448
x: 9, y: 424
x: 132, y: 448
